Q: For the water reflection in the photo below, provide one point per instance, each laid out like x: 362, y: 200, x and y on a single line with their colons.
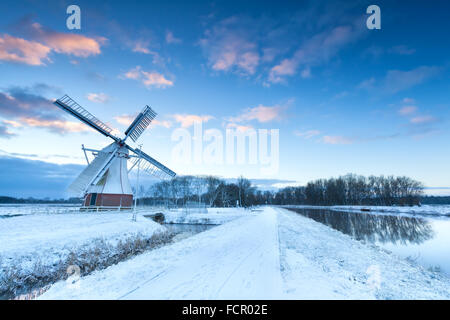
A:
x: 373, y: 227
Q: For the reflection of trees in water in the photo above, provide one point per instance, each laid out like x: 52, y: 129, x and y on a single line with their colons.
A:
x: 373, y: 227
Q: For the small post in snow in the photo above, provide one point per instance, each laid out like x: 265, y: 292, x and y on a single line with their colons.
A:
x: 137, y: 184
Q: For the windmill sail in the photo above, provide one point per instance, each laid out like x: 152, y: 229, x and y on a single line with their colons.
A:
x: 152, y: 166
x: 92, y: 173
x: 70, y: 106
x: 141, y: 123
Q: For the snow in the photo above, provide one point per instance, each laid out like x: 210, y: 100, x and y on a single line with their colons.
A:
x: 210, y: 216
x: 9, y: 210
x: 271, y: 254
x: 322, y: 263
x: 48, y: 238
x: 237, y: 260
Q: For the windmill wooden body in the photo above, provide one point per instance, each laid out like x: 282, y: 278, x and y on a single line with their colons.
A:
x: 104, y: 183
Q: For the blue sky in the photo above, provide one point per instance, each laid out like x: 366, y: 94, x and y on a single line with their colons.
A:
x: 345, y: 98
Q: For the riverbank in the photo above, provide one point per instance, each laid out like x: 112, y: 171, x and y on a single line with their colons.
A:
x: 36, y: 249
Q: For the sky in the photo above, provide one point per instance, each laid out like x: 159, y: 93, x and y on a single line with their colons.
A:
x: 344, y: 98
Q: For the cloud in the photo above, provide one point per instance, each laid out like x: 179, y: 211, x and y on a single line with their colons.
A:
x: 141, y: 47
x: 162, y: 123
x: 149, y: 79
x: 367, y: 84
x: 42, y: 41
x: 397, y: 80
x: 238, y: 127
x: 98, y: 97
x: 60, y: 126
x: 67, y: 43
x: 23, y: 51
x: 402, y: 50
x: 25, y: 107
x: 307, y: 134
x: 337, y: 140
x: 127, y: 119
x: 260, y: 113
x: 228, y: 47
x: 407, y: 110
x: 171, y: 39
x: 376, y: 51
x: 187, y: 120
x: 410, y: 111
x: 422, y: 119
x: 316, y: 50
x: 5, y: 133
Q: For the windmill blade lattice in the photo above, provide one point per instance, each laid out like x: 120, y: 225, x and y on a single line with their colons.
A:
x: 141, y: 123
x: 71, y: 106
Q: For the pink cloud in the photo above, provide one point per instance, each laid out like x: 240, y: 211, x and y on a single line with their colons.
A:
x: 141, y: 47
x: 318, y: 49
x: 406, y: 110
x: 337, y: 140
x: 170, y: 38
x: 238, y: 127
x: 260, y: 113
x: 187, y: 120
x: 422, y: 119
x: 68, y: 43
x: 23, y: 51
x: 97, y: 97
x: 149, y: 79
x: 62, y: 126
x: 229, y: 48
x: 154, y: 79
x: 307, y: 134
x: 43, y: 41
x: 127, y: 119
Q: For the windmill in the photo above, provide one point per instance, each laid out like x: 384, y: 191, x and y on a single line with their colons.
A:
x: 104, y: 183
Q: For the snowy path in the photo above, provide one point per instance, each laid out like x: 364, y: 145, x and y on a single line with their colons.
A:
x: 237, y: 260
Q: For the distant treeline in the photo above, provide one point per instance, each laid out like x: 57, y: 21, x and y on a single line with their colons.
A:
x: 354, y: 189
x: 435, y: 200
x: 13, y: 200
x: 350, y: 189
x: 212, y: 191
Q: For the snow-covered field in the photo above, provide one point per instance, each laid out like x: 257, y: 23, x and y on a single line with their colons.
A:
x: 46, y: 240
x: 210, y: 216
x: 274, y: 253
x: 10, y: 210
x: 318, y: 262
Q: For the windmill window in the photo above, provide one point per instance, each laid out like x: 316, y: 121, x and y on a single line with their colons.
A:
x: 93, y: 199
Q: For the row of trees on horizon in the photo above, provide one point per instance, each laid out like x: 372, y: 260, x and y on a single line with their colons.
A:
x: 350, y: 189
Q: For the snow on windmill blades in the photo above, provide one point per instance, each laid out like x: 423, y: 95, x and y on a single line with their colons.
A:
x: 104, y: 183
